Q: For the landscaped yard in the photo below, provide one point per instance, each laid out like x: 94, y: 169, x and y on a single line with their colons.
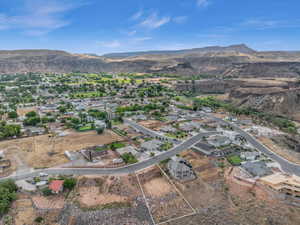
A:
x: 234, y: 160
x: 86, y: 127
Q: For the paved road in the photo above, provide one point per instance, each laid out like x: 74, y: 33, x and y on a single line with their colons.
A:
x: 147, y: 131
x: 286, y: 165
x: 122, y: 170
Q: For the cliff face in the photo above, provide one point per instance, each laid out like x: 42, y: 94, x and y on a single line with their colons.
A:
x: 281, y: 97
x: 275, y: 100
x: 232, y: 61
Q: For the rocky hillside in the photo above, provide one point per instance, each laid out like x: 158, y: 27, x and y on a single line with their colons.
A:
x: 231, y: 61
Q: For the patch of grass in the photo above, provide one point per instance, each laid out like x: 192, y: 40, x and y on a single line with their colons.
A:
x: 129, y: 158
x: 234, y: 160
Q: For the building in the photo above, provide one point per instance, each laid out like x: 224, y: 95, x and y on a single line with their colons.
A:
x: 152, y: 145
x: 180, y: 169
x: 100, y: 124
x: 56, y: 186
x: 218, y: 140
x: 284, y: 183
x: 250, y: 156
x: 257, y: 168
x: 168, y: 129
x: 127, y: 149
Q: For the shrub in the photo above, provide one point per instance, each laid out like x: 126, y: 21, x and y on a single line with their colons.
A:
x: 69, y: 183
x: 46, y: 191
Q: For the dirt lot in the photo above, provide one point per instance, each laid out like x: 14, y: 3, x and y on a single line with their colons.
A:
x: 289, y: 155
x: 225, y: 201
x: 23, y: 111
x: 106, y: 200
x: 51, y: 202
x: 200, y: 192
x: 100, y: 191
x: 164, y: 201
x: 151, y: 124
x: 42, y: 151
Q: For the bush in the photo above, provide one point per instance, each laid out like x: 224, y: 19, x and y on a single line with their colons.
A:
x: 7, y: 195
x: 39, y: 219
x: 46, y: 191
x: 69, y: 183
x: 129, y: 158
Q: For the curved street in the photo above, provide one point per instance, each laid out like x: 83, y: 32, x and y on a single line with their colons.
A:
x: 122, y: 170
x: 286, y: 166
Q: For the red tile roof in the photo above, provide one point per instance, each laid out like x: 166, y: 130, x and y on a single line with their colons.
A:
x: 56, y: 185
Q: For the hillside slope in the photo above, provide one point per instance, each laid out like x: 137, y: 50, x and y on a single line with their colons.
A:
x: 236, y: 61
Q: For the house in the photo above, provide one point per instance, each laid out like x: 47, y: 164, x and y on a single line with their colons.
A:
x: 180, y: 169
x: 100, y: 124
x: 127, y: 149
x: 139, y: 117
x: 250, y: 156
x: 56, y: 186
x: 287, y: 184
x: 218, y: 140
x: 168, y: 129
x: 93, y: 155
x: 4, y: 164
x: 205, y: 148
x: 257, y: 168
x: 2, y: 154
x: 35, y: 131
x: 189, y: 126
x: 152, y: 145
x: 206, y: 109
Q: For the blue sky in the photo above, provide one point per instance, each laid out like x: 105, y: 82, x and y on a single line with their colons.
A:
x: 101, y: 26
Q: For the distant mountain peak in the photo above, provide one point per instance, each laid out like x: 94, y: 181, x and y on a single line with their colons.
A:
x: 242, y: 48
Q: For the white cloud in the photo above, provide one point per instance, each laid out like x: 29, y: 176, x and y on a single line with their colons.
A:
x: 111, y: 44
x: 141, y: 39
x: 270, y: 24
x: 203, y: 3
x: 39, y: 17
x: 180, y: 19
x: 131, y: 33
x: 137, y: 15
x: 154, y: 21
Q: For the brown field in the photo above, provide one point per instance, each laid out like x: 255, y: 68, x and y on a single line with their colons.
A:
x: 98, y: 191
x: 289, y: 155
x: 51, y: 202
x: 23, y: 111
x: 42, y: 151
x: 151, y: 123
x: 199, y: 192
x: 25, y: 212
x: 164, y: 201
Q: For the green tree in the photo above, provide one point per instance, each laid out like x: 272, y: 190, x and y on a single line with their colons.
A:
x: 69, y: 183
x: 12, y: 115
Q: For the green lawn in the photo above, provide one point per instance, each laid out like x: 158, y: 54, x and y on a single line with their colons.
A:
x: 234, y: 160
x: 117, y: 145
x: 87, y: 127
x: 91, y: 94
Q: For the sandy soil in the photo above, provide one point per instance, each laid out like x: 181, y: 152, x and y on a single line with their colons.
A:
x: 23, y: 111
x: 42, y: 151
x: 90, y: 196
x: 158, y: 187
x: 25, y: 213
x: 51, y: 202
x: 164, y: 201
x: 151, y: 123
x: 95, y: 191
x: 289, y: 155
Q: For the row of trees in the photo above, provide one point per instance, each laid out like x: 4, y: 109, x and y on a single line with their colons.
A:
x: 279, y: 121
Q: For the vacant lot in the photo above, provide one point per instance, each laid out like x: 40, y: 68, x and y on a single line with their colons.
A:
x: 101, y: 191
x: 44, y: 151
x: 164, y: 201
